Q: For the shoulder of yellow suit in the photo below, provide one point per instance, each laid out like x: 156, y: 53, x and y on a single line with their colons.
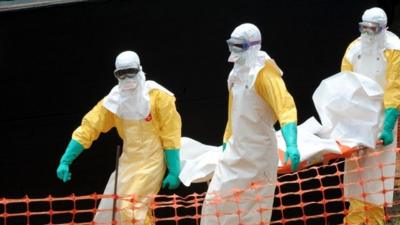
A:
x: 271, y: 67
x: 155, y: 88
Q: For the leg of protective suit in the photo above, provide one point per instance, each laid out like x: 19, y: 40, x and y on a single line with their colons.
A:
x: 137, y: 212
x: 358, y: 215
x: 127, y: 211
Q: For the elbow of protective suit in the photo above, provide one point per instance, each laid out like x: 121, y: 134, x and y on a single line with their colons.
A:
x: 389, y: 123
x: 74, y: 149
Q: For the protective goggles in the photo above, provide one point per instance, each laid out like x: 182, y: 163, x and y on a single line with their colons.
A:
x: 126, y: 73
x: 369, y: 28
x: 238, y: 46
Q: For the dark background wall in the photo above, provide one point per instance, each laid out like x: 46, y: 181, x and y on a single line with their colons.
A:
x: 57, y: 62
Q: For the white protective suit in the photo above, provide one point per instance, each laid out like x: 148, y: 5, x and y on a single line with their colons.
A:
x: 246, y: 174
x: 377, y: 58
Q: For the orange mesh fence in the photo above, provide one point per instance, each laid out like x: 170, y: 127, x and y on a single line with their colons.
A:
x: 313, y: 195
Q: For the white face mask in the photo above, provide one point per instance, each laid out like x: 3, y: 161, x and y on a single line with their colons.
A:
x: 372, y: 43
x: 127, y: 84
x: 130, y: 98
x: 234, y: 57
x: 246, y: 58
x: 368, y: 38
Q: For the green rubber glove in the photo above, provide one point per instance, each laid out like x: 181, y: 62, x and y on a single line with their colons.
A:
x: 289, y: 132
x: 391, y: 115
x: 174, y: 168
x: 74, y: 149
x: 223, y: 146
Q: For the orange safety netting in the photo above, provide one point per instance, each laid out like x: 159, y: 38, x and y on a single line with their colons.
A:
x: 313, y: 195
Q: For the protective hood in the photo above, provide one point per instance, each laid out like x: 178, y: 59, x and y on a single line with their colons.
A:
x: 374, y: 43
x: 246, y: 34
x: 375, y: 15
x: 129, y: 99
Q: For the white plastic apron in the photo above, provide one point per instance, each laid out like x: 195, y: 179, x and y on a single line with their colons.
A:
x: 374, y: 67
x: 250, y: 158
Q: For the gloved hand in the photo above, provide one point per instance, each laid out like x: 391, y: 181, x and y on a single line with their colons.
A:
x: 386, y: 136
x: 223, y: 146
x: 289, y: 132
x: 74, y: 149
x: 174, y: 168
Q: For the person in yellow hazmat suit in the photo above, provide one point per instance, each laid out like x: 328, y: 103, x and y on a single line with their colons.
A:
x: 248, y: 167
x: 376, y: 55
x: 146, y: 119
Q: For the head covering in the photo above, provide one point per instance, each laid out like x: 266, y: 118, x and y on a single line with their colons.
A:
x: 374, y: 43
x: 375, y: 15
x: 129, y: 99
x: 250, y: 36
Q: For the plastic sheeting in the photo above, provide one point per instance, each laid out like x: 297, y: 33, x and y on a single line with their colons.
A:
x: 350, y: 108
x: 198, y: 161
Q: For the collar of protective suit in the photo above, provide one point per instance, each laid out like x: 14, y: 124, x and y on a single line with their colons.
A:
x: 244, y: 74
x: 132, y: 106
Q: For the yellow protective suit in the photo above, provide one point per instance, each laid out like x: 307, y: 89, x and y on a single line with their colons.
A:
x: 386, y: 73
x: 141, y: 165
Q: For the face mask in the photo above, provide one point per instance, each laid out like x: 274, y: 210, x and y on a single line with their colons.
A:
x: 127, y: 84
x: 367, y: 39
x: 371, y: 44
x: 234, y: 57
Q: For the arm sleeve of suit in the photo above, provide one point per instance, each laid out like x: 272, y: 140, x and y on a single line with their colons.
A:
x: 96, y: 121
x: 228, y: 128
x: 170, y: 121
x: 391, y: 98
x: 271, y: 87
x: 346, y: 64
